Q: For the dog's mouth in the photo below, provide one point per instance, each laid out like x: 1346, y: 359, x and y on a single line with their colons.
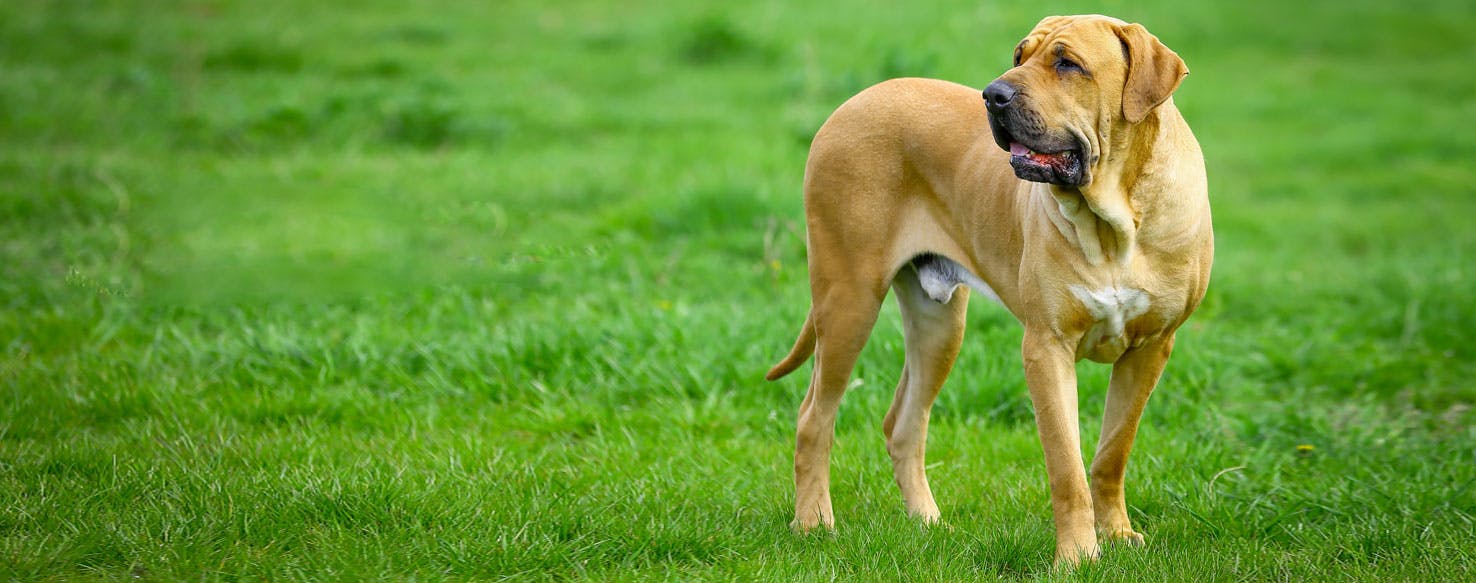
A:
x: 1056, y: 163
x: 1036, y: 153
x: 1061, y: 167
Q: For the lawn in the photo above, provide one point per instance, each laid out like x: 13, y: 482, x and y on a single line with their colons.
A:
x: 486, y: 290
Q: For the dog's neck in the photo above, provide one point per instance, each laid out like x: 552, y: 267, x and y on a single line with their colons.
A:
x: 1100, y: 218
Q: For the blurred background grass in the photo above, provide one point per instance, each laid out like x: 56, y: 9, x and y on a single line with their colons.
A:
x: 219, y: 153
x: 348, y: 149
x: 284, y: 228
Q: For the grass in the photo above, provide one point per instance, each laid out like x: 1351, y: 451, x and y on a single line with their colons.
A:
x: 347, y: 291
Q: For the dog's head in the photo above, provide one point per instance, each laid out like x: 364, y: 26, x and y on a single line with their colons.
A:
x: 1077, y: 82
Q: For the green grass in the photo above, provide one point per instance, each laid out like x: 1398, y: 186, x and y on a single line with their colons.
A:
x: 303, y: 290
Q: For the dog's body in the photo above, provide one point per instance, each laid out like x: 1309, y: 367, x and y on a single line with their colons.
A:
x: 1101, y: 254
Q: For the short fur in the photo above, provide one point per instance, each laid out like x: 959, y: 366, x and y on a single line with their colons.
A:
x: 907, y: 173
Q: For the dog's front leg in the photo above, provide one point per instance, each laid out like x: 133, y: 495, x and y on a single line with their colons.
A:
x: 1133, y: 378
x: 1050, y: 370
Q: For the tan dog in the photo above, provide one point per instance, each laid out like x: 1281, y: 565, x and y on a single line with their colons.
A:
x: 1078, y: 201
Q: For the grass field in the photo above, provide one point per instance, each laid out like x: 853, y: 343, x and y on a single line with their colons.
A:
x: 486, y: 290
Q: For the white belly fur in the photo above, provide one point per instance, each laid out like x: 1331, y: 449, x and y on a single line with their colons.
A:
x: 939, y: 276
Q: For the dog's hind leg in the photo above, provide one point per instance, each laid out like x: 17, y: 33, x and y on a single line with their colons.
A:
x: 844, y: 315
x: 933, y: 332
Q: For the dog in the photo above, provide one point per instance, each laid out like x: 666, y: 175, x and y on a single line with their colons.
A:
x: 1072, y: 192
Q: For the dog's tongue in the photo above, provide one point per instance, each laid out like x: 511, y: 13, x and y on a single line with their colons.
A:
x: 1018, y: 149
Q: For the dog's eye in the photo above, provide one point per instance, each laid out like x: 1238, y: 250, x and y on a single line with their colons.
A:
x: 1017, y: 55
x: 1065, y: 65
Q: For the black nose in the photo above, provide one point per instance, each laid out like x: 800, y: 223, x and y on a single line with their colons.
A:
x: 998, y: 94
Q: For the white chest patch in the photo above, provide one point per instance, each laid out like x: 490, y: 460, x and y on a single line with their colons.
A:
x: 1112, y: 304
x: 1111, y: 309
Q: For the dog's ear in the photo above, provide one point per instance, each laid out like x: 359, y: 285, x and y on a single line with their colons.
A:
x: 1154, y: 72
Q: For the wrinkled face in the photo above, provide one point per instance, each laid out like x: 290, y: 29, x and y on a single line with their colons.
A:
x: 1064, y: 93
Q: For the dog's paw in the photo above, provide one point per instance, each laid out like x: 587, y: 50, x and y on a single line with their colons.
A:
x: 1070, y: 557
x: 811, y: 523
x: 927, y: 518
x: 936, y: 525
x: 1123, y: 536
x: 927, y: 515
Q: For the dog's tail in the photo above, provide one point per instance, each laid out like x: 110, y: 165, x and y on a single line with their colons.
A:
x: 804, y: 346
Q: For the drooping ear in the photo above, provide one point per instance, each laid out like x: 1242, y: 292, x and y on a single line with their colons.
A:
x: 1154, y: 72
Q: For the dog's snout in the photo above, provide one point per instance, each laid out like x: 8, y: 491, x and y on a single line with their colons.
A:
x: 998, y: 94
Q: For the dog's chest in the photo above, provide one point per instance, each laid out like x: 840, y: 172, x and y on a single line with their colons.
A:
x: 1110, y: 309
